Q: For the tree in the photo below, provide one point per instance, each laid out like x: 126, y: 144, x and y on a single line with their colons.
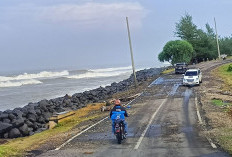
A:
x: 226, y: 45
x: 204, y: 43
x: 186, y: 29
x: 176, y: 51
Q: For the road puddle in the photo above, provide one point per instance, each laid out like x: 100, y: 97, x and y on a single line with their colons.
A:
x: 174, y: 89
x: 162, y: 80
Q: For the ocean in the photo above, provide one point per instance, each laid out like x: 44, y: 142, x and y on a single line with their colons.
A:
x: 17, y: 90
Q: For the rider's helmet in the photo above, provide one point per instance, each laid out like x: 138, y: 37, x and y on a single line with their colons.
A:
x: 117, y: 102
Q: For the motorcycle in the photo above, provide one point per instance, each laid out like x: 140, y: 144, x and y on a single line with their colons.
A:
x: 119, y: 130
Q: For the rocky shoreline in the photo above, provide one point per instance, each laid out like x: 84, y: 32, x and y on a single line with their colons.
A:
x: 34, y: 117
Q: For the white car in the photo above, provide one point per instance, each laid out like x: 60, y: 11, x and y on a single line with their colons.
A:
x: 192, y: 77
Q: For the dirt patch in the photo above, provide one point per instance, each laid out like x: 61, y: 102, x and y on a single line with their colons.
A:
x: 2, y: 141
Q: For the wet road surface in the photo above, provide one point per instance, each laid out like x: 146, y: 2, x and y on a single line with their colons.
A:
x: 165, y: 113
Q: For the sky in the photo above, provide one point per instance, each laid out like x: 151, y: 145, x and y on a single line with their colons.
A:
x: 79, y: 34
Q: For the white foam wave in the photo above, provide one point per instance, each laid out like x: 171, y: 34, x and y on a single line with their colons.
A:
x: 43, y: 74
x: 111, y: 69
x: 19, y: 83
x: 98, y: 74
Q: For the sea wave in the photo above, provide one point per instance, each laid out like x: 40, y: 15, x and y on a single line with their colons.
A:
x: 98, y: 74
x: 19, y: 83
x: 26, y: 76
x: 111, y: 69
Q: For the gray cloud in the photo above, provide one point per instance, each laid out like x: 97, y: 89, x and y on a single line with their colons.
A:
x: 95, y: 15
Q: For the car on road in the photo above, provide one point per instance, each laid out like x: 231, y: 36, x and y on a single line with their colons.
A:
x: 181, y: 68
x: 192, y: 77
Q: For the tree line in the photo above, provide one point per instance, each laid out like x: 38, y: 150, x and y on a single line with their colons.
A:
x: 195, y: 45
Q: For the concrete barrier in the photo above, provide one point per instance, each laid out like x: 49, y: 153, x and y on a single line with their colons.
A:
x: 59, y: 117
x: 66, y: 115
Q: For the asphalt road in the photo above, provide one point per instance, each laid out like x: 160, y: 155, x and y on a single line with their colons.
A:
x: 163, y: 122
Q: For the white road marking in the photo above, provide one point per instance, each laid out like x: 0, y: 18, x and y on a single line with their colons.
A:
x: 211, y: 143
x: 152, y: 118
x: 198, y: 113
x: 201, y: 122
x: 69, y: 140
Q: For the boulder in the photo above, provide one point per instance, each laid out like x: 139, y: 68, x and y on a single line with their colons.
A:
x: 5, y: 127
x: 67, y: 96
x: 31, y: 117
x: 3, y: 115
x: 52, y: 110
x: 43, y: 105
x: 59, y: 109
x: 6, y: 120
x: 41, y: 120
x: 35, y: 126
x: 6, y: 135
x: 75, y: 100
x: 18, y: 122
x: 31, y: 111
x: 46, y: 116
x: 29, y: 123
x: 38, y: 112
x: 32, y: 105
x: 24, y: 130
x: 14, y: 133
x: 11, y: 116
x: 8, y: 111
x: 17, y: 113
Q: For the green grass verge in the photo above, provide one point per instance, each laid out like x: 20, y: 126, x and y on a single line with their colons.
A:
x: 20, y: 146
x: 219, y: 102
x: 167, y: 71
x: 225, y: 139
x: 225, y: 75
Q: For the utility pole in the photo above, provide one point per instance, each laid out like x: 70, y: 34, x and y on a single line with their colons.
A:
x: 132, y: 58
x: 219, y: 55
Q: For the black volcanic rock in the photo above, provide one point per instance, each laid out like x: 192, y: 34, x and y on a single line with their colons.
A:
x: 31, y: 117
x: 17, y: 122
x: 11, y: 116
x: 24, y: 130
x: 3, y: 115
x: 17, y: 113
x: 6, y: 120
x: 14, y: 133
x: 4, y: 127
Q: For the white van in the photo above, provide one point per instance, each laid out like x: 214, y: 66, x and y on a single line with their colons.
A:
x: 192, y: 77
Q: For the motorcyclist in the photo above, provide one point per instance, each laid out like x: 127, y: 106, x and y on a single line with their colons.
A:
x: 118, y: 109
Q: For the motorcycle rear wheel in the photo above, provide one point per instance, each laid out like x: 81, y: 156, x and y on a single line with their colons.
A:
x: 119, y: 137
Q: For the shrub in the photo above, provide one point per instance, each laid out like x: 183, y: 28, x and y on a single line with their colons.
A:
x: 229, y: 68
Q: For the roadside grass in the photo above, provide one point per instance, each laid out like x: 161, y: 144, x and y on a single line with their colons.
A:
x: 168, y: 71
x: 219, y: 102
x: 20, y: 146
x: 223, y: 133
x: 225, y: 75
x: 224, y: 137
